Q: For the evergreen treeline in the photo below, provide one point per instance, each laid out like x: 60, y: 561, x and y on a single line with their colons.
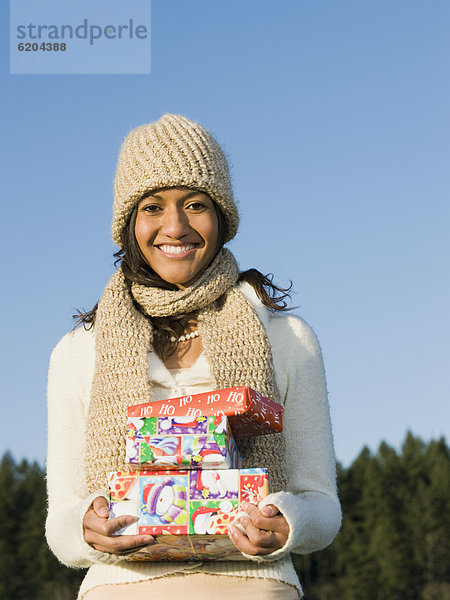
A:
x: 28, y: 570
x: 395, y: 539
x: 394, y: 543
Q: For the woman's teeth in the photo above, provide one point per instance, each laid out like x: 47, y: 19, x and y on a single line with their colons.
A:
x: 176, y: 249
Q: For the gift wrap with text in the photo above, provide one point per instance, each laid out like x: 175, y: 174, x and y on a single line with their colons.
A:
x: 251, y: 414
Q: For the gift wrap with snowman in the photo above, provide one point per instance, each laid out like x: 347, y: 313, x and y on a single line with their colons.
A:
x: 187, y: 512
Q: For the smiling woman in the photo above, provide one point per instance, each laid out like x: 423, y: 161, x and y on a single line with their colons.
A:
x: 177, y: 232
x: 177, y: 318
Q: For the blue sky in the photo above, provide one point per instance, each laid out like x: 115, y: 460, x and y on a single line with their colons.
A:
x: 335, y: 118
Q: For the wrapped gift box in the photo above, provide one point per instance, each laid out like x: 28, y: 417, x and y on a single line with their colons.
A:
x: 250, y: 412
x: 188, y: 512
x: 180, y: 443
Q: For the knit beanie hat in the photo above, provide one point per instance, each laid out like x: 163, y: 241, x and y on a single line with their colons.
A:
x: 171, y: 152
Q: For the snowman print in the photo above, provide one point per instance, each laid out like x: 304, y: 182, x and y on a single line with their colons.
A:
x: 166, y: 500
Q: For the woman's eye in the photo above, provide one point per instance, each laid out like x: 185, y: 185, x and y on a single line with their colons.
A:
x: 197, y: 206
x: 151, y: 208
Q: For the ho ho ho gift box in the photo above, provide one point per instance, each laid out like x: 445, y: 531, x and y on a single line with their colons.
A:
x: 188, y: 512
x: 160, y: 443
x: 250, y: 412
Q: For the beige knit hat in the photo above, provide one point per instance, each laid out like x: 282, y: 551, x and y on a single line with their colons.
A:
x: 171, y: 152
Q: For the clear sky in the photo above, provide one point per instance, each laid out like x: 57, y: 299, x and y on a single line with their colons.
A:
x: 335, y: 116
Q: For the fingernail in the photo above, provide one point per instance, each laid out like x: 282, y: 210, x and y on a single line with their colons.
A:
x: 244, y: 521
x: 147, y: 539
x: 131, y: 520
x: 267, y: 510
x: 231, y: 530
x: 104, y: 510
x: 244, y: 505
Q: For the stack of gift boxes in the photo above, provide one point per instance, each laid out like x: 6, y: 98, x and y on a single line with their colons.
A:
x: 185, y: 484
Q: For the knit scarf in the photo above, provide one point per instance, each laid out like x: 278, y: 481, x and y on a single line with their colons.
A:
x: 234, y: 342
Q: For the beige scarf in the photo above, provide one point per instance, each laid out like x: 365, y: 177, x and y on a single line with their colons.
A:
x: 234, y: 342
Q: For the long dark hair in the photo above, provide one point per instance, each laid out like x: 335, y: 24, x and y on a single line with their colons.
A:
x: 136, y: 269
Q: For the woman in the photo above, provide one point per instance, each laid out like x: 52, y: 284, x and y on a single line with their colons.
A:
x: 179, y: 318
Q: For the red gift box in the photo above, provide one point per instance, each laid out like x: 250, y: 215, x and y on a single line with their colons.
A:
x: 250, y: 412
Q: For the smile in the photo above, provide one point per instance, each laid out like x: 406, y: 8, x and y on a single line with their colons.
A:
x: 176, y: 250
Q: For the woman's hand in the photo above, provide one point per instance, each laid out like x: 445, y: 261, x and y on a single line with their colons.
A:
x: 99, y: 530
x: 266, y: 530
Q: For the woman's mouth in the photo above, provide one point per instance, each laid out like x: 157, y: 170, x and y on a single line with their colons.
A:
x: 170, y: 250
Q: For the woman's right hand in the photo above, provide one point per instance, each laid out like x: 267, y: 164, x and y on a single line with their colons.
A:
x: 99, y: 530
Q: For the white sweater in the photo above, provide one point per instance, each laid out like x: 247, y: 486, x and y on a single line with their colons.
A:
x: 310, y: 504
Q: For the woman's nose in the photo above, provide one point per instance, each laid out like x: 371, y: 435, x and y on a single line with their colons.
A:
x: 175, y: 222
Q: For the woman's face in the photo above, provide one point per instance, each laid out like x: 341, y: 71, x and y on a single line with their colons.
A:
x: 177, y: 233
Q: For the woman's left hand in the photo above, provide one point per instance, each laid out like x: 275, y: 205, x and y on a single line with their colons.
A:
x: 266, y: 530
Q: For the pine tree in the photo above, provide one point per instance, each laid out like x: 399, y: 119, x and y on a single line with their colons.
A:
x: 9, y: 573
x: 393, y: 543
x: 395, y: 540
x: 28, y: 570
x: 437, y: 518
x: 359, y: 569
